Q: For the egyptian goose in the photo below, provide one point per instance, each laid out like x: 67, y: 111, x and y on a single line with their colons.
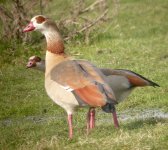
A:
x: 121, y: 81
x: 71, y: 83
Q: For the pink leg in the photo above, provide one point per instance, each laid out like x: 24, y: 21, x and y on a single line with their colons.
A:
x: 70, y: 125
x: 116, y: 124
x: 90, y: 119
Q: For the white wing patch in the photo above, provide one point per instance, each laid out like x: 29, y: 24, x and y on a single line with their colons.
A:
x: 67, y: 88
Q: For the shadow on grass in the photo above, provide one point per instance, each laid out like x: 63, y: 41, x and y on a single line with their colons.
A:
x: 141, y: 123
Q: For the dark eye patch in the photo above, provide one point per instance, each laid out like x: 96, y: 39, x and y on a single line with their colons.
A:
x: 40, y: 19
x: 38, y: 59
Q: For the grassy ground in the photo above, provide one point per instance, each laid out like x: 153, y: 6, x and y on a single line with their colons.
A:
x: 135, y: 40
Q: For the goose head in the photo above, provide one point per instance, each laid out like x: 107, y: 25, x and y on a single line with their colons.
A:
x: 33, y: 61
x: 40, y: 23
x: 36, y: 23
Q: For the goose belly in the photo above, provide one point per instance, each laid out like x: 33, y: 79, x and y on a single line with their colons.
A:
x: 62, y: 97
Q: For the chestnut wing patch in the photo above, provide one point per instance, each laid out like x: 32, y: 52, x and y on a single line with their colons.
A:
x: 85, y: 80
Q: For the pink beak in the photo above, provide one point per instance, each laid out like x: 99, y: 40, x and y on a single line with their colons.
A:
x: 30, y: 64
x: 30, y: 27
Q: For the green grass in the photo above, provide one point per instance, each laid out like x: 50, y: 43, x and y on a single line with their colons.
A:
x: 136, y: 40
